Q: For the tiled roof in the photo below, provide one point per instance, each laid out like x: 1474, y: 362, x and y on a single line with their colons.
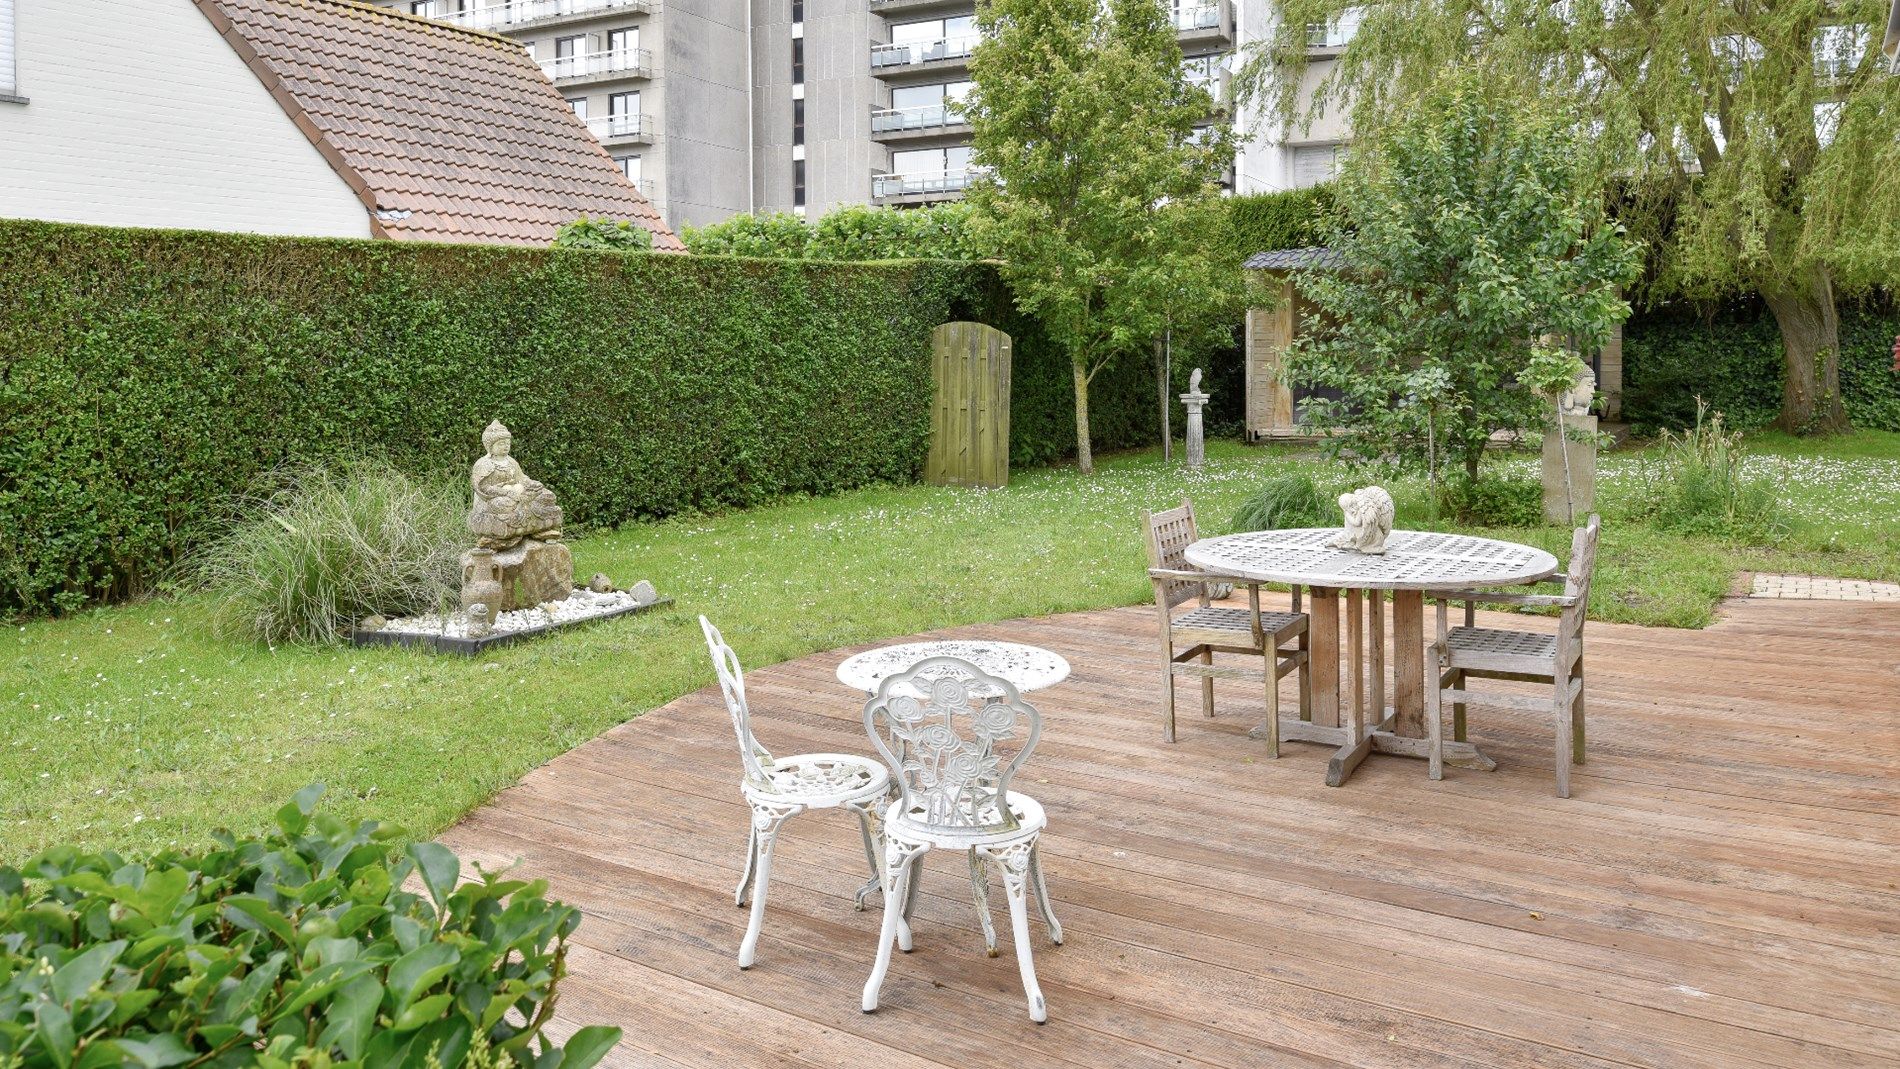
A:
x: 1317, y: 256
x: 445, y: 134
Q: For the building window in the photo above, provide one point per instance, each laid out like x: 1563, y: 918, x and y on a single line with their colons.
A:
x: 9, y: 79
x: 798, y: 183
x: 798, y: 10
x: 623, y: 110
x: 1313, y: 164
x: 579, y: 104
x: 798, y: 122
x: 626, y: 40
x: 629, y: 166
x: 798, y: 59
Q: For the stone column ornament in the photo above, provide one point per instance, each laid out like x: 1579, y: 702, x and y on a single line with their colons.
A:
x: 1193, y: 401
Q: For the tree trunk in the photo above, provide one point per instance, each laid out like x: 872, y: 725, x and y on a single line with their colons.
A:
x: 1811, y: 355
x: 1161, y: 381
x: 1084, y: 459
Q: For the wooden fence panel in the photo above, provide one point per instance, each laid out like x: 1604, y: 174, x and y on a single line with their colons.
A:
x: 969, y: 420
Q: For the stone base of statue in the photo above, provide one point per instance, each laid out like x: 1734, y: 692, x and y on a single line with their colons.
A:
x: 532, y: 572
x: 1580, y: 445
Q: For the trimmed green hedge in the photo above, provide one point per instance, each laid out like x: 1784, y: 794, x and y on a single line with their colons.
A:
x: 1288, y: 219
x: 1733, y: 361
x: 146, y: 376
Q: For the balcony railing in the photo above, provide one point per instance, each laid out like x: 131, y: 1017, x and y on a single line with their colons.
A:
x: 924, y: 117
x: 636, y: 61
x: 476, y: 15
x: 923, y: 51
x: 617, y: 127
x: 1202, y: 17
x: 885, y: 186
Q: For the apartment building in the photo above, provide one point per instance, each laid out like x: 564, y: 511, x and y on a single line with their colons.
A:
x: 722, y: 106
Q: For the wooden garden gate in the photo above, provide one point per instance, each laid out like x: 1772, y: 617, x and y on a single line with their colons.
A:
x: 969, y: 421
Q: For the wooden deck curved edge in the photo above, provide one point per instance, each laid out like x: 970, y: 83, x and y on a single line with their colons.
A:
x: 1720, y: 892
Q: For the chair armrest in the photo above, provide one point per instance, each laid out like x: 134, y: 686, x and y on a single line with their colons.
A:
x: 1486, y: 597
x: 1199, y: 577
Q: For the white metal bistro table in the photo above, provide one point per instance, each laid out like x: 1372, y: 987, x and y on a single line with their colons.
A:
x: 1026, y: 667
x: 1413, y: 563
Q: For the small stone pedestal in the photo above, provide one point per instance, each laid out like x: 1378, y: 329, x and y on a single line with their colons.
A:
x: 1194, y: 400
x: 1580, y: 444
x: 531, y: 572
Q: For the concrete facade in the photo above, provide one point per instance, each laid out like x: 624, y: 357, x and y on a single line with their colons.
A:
x: 846, y: 101
x: 85, y: 136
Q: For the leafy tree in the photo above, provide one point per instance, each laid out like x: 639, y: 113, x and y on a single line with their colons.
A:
x: 1479, y: 254
x: 1756, y: 138
x: 621, y: 236
x: 1085, y: 124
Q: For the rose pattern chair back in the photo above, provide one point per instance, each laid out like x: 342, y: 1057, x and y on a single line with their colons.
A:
x: 758, y: 760
x: 953, y: 737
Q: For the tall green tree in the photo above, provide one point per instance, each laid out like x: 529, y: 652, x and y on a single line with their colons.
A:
x: 1478, y: 256
x: 1758, y: 141
x: 1086, y: 126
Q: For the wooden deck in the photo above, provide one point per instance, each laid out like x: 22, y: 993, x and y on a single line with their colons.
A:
x: 1723, y: 890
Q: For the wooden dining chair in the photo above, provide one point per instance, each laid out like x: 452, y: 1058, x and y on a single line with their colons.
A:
x: 1190, y: 640
x: 1472, y: 652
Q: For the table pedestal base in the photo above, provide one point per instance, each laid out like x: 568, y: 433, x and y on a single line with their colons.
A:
x: 1381, y: 740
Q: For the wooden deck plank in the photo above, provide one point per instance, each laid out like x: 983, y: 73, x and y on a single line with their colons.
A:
x: 1721, y: 890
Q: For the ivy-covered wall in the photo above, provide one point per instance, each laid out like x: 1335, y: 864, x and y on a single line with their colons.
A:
x: 1731, y: 358
x: 148, y: 376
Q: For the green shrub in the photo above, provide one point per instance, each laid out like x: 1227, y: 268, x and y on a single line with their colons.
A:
x: 1493, y: 502
x: 1697, y: 484
x: 1731, y: 360
x: 1286, y: 219
x: 147, y: 376
x: 855, y: 232
x: 1286, y: 500
x: 319, y: 548
x: 301, y: 947
x: 621, y: 236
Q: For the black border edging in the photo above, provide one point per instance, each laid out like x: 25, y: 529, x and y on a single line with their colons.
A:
x: 469, y: 647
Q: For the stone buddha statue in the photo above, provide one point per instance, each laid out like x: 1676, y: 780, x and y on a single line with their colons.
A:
x: 508, y: 506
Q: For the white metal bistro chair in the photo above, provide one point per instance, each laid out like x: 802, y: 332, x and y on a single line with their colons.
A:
x: 1468, y: 652
x: 1190, y: 641
x: 954, y: 737
x: 780, y: 788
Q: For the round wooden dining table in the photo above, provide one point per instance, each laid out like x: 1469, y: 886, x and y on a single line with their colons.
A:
x: 1414, y: 563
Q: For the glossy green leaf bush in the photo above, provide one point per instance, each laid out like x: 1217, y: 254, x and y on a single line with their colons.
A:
x: 300, y: 948
x: 613, y: 235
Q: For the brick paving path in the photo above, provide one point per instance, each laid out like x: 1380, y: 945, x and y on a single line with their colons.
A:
x: 1821, y: 588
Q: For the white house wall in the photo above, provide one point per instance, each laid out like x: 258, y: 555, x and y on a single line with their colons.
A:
x: 138, y: 113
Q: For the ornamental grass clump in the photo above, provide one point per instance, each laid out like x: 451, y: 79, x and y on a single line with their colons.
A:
x: 302, y: 947
x: 1290, y: 499
x: 1698, y: 484
x: 318, y: 547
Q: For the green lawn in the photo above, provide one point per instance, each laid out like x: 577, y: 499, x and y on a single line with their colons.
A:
x: 133, y: 727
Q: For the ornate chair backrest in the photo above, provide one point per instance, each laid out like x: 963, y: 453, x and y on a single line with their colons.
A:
x: 1583, y: 563
x: 1169, y: 534
x: 758, y: 760
x: 953, y: 737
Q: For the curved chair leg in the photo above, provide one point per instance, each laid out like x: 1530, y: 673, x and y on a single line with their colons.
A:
x: 898, y: 859
x: 913, y: 889
x: 1015, y: 862
x: 980, y: 884
x: 751, y: 867
x: 871, y: 826
x: 766, y: 821
x: 1042, y: 895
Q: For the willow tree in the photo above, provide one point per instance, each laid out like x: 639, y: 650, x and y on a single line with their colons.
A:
x: 1751, y: 143
x: 1098, y: 155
